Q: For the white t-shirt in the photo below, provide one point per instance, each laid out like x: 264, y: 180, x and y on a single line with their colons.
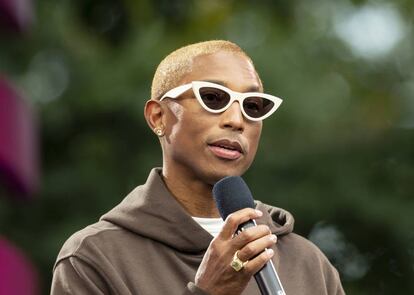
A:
x: 211, y: 225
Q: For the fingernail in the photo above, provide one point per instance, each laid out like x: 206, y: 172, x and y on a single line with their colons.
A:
x: 258, y: 212
x: 270, y: 252
x: 273, y: 238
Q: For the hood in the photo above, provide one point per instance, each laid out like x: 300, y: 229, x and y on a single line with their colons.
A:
x: 151, y: 211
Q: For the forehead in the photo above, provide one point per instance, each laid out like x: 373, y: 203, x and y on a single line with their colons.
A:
x: 230, y: 69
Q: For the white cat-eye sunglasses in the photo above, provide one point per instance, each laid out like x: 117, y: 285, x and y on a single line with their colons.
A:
x: 216, y: 98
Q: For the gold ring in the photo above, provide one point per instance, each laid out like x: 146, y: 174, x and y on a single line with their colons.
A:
x: 236, y: 263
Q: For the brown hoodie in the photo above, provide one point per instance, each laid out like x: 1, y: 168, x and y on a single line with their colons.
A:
x: 149, y: 245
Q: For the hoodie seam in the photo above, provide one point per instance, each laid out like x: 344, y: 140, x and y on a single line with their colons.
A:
x: 75, y: 252
x: 92, y: 265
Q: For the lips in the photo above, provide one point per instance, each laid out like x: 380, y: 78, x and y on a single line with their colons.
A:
x: 226, y: 149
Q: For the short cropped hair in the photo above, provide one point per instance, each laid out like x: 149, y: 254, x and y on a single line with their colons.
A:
x: 177, y: 64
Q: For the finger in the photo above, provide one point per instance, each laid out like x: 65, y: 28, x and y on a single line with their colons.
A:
x: 235, y: 219
x: 252, y: 249
x: 250, y: 234
x: 254, y: 265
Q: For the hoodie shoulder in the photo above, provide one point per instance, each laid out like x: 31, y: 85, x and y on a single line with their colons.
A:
x: 305, y: 250
x: 312, y: 268
x: 75, y: 244
x: 281, y: 223
x: 297, y: 255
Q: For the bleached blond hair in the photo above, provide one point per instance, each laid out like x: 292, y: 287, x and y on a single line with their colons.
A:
x: 177, y: 64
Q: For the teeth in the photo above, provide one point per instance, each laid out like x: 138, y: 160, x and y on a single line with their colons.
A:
x: 226, y: 147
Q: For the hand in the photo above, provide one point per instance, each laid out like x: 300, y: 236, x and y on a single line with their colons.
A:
x: 215, y: 275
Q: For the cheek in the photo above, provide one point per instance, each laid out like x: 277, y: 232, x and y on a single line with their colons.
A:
x: 175, y: 113
x: 175, y: 120
x: 254, y: 138
x: 185, y: 125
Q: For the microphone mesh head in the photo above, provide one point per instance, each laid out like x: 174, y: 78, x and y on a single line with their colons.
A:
x: 232, y: 194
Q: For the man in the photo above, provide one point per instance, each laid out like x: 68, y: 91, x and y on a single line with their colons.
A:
x: 166, y: 237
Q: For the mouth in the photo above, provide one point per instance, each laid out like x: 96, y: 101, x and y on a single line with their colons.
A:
x: 226, y: 149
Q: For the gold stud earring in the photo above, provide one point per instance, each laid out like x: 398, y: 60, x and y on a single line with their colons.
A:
x: 159, y: 131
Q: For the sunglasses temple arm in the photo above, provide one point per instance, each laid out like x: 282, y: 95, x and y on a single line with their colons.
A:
x: 175, y: 92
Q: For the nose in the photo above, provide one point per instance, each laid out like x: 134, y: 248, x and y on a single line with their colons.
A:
x: 232, y: 118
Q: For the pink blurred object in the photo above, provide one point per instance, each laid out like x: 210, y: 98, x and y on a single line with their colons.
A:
x: 18, y: 142
x: 16, y: 15
x: 17, y: 274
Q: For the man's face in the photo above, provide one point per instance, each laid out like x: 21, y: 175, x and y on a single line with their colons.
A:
x: 206, y: 146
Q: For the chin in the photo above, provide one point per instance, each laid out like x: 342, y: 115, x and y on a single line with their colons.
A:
x: 220, y: 172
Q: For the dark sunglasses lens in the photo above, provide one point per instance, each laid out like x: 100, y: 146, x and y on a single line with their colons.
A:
x: 214, y: 98
x: 257, y: 107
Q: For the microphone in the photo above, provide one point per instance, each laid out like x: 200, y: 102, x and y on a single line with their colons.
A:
x: 232, y: 194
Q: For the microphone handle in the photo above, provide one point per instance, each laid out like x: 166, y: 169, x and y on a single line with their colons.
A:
x: 266, y: 278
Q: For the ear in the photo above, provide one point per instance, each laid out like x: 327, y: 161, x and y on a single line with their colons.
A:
x: 154, y: 113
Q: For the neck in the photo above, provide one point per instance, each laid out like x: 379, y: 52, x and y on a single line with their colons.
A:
x: 192, y: 193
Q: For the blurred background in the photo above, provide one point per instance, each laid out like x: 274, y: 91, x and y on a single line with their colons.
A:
x: 338, y: 154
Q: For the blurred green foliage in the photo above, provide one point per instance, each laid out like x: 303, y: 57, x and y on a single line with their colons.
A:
x: 339, y: 154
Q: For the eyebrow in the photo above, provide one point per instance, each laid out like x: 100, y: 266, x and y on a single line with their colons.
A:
x: 252, y: 88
